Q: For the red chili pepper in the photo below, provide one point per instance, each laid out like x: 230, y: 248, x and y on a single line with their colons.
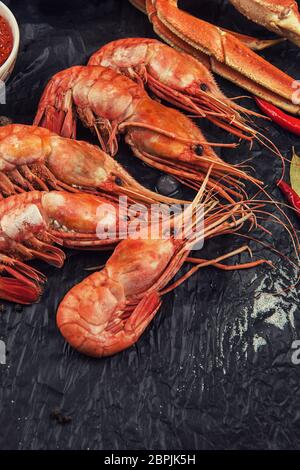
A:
x: 284, y: 120
x: 291, y: 196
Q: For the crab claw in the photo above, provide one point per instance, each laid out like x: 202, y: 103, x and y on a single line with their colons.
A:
x: 281, y: 16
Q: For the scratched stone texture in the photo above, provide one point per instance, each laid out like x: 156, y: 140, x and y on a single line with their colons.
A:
x: 214, y: 370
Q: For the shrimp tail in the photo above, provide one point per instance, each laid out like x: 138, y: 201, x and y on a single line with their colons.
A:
x: 55, y: 111
x: 137, y: 323
x: 24, y: 284
x: 18, y: 291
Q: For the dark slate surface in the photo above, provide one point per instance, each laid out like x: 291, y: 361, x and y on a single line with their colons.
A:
x: 214, y: 370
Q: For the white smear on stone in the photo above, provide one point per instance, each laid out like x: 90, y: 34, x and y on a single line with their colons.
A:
x: 292, y: 315
x: 264, y: 303
x: 276, y: 309
x: 281, y: 307
x: 278, y: 319
x: 258, y: 342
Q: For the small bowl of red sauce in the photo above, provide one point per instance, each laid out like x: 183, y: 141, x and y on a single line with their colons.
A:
x: 9, y: 41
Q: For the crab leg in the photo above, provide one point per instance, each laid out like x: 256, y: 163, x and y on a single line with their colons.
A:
x: 249, y: 41
x: 254, y: 43
x: 216, y: 67
x: 223, y: 53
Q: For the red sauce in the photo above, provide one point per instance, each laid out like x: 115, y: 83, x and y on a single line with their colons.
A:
x: 6, y: 40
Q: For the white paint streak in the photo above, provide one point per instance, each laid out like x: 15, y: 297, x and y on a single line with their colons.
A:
x: 258, y: 342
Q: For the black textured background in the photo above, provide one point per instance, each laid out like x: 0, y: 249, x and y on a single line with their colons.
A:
x: 196, y: 379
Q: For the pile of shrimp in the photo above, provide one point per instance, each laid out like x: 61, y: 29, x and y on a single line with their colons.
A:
x: 60, y: 192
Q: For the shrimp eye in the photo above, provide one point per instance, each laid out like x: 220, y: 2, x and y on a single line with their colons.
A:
x: 118, y: 181
x: 199, y: 149
x: 204, y: 87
